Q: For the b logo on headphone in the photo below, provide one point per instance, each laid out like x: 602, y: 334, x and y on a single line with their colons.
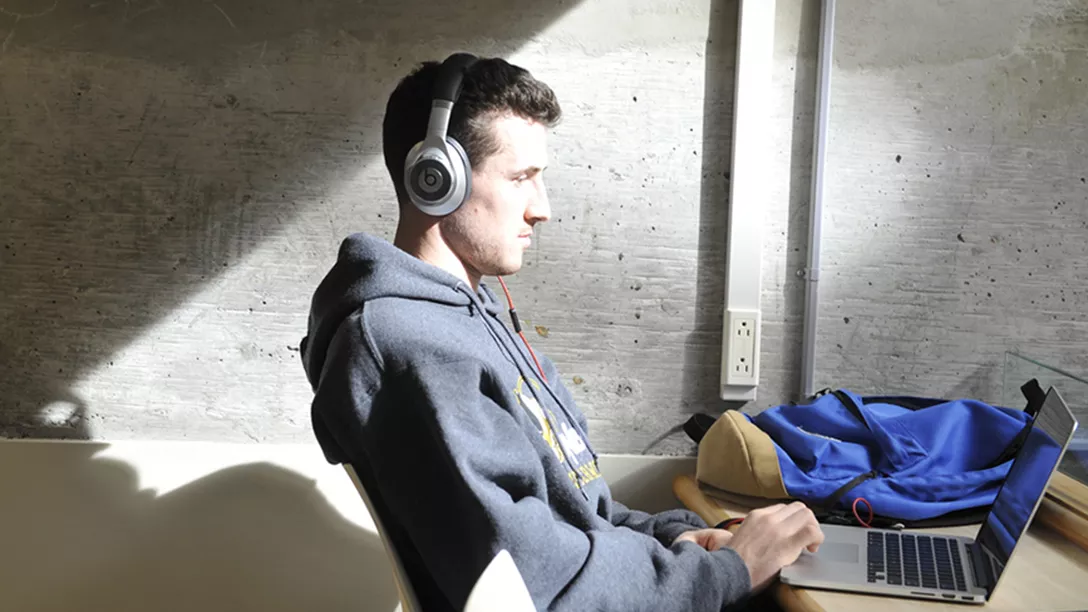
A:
x: 437, y: 173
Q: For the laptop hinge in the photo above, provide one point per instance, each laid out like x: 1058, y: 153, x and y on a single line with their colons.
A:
x: 981, y: 570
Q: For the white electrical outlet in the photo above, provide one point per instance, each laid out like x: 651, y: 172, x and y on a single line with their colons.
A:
x: 743, y: 351
x: 741, y: 344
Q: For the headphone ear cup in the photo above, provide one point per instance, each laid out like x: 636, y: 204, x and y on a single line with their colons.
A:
x: 437, y: 177
x: 410, y: 162
x: 430, y: 178
x: 462, y: 170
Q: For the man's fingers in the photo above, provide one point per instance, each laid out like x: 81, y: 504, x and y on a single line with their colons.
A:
x: 796, y: 515
x: 803, y: 530
x: 718, y: 538
x: 806, y: 535
x: 687, y: 536
x: 778, y: 512
x: 710, y: 539
x: 793, y: 510
x: 766, y: 510
x: 818, y: 538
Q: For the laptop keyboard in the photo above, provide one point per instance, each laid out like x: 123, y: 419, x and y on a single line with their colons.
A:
x: 915, y: 560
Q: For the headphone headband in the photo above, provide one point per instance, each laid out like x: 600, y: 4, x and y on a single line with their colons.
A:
x: 437, y: 172
x: 448, y: 85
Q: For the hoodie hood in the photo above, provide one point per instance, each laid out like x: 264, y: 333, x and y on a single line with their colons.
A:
x: 368, y: 268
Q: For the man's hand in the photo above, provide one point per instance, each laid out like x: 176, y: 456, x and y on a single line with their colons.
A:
x: 710, y: 539
x: 773, y: 537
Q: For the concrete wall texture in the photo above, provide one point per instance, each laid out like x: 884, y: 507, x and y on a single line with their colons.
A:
x: 175, y: 179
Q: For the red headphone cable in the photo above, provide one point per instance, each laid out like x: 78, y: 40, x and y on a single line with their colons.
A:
x: 517, y: 328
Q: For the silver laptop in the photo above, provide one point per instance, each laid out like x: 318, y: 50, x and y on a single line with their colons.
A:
x: 922, y: 565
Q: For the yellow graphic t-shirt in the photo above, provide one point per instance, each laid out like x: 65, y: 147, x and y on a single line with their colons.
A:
x: 566, y: 442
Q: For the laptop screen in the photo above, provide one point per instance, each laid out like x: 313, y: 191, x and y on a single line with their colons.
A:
x: 1026, y: 482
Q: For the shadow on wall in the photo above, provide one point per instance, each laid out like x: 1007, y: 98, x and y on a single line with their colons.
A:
x: 147, y: 146
x: 703, y: 352
x: 83, y: 535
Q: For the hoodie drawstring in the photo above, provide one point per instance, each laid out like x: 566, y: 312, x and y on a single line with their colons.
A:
x: 566, y: 413
x: 519, y: 363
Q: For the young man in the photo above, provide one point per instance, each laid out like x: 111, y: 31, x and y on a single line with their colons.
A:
x: 466, y: 439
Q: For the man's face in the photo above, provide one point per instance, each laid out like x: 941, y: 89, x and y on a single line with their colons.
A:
x: 493, y: 228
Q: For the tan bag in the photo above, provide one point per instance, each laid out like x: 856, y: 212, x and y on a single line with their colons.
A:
x: 737, y: 461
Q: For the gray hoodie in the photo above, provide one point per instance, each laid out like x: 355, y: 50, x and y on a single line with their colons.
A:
x: 467, y: 450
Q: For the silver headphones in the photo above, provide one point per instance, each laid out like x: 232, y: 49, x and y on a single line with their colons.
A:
x: 437, y: 173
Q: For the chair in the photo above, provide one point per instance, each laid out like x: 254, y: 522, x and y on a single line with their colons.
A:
x: 499, y: 588
x: 408, y: 600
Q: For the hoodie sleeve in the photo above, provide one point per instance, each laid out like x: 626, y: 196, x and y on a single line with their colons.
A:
x: 464, y: 480
x: 665, y: 526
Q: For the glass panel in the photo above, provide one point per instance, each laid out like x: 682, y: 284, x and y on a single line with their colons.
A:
x: 1019, y: 369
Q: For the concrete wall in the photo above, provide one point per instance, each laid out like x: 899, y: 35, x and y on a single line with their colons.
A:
x: 174, y: 180
x: 956, y: 203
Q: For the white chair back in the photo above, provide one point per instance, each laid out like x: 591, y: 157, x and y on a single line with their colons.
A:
x: 408, y: 600
x: 500, y: 588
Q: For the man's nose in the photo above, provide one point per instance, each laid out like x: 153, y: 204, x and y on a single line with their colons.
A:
x: 539, y: 209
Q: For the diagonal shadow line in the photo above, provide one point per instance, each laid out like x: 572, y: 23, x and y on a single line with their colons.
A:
x: 148, y: 146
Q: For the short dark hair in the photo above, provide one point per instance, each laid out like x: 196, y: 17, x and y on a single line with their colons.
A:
x: 491, y: 87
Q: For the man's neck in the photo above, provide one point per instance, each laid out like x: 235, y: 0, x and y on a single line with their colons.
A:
x: 429, y: 246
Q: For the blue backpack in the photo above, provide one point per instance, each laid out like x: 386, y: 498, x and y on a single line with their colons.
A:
x: 880, y: 461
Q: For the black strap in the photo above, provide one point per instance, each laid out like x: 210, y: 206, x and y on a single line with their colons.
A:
x: 848, y: 403
x: 697, y: 426
x: 1013, y: 448
x: 903, y: 401
x: 833, y: 500
x: 1035, y: 395
x: 826, y: 512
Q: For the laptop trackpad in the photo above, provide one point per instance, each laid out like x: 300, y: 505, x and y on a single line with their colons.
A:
x: 841, y: 552
x: 840, y: 559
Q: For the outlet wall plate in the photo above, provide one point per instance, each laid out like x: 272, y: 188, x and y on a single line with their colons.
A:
x: 741, y: 345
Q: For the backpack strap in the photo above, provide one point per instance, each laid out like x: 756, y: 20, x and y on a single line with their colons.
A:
x: 1013, y: 447
x: 833, y: 500
x: 848, y: 403
x: 826, y: 511
x: 903, y: 401
x: 1035, y: 395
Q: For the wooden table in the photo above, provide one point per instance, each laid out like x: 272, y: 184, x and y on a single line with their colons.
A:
x: 1048, y: 571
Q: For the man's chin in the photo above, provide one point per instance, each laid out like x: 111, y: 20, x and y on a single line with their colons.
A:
x: 506, y: 268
